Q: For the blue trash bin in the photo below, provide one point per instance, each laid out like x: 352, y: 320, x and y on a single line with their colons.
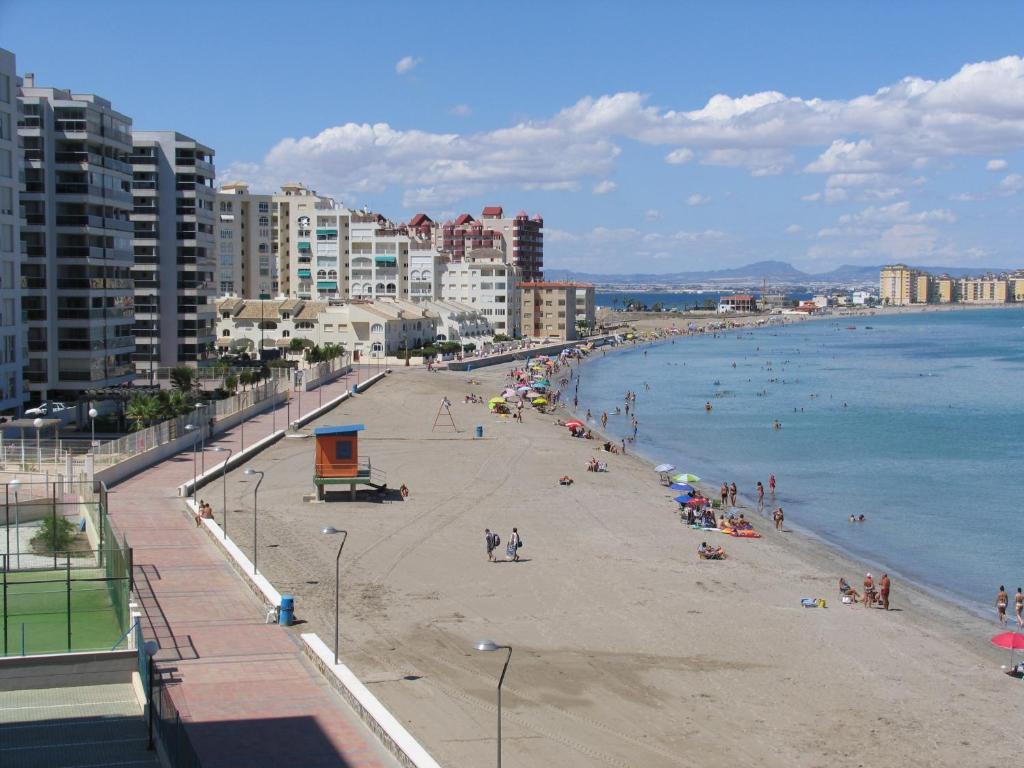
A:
x: 479, y: 430
x: 287, y: 612
x: 354, y: 389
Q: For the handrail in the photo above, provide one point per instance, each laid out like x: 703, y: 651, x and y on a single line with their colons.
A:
x: 127, y: 632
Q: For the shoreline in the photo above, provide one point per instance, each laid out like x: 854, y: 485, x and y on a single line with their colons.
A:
x: 936, y: 591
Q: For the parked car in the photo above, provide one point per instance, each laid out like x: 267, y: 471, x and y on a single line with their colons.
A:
x: 46, y: 409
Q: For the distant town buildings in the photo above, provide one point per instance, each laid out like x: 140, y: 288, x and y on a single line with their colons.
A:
x: 900, y: 285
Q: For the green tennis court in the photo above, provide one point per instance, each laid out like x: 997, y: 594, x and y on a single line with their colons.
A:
x: 39, y: 608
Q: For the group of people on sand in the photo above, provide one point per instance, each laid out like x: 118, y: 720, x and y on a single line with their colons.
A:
x: 1003, y: 600
x: 596, y: 466
x: 874, y: 595
x: 707, y: 552
x: 493, y: 541
x: 205, y: 512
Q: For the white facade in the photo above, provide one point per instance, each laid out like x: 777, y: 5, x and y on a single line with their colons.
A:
x: 485, y: 282
x: 378, y: 264
x: 246, y: 266
x: 12, y: 327
x: 459, y: 322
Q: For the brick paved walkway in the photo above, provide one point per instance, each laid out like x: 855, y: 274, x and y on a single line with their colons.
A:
x: 247, y: 694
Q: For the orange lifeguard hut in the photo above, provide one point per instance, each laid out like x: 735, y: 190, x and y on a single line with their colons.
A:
x: 337, y: 460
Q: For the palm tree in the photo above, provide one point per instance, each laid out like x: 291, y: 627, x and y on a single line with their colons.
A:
x: 246, y: 378
x: 183, y: 378
x: 142, y: 411
x: 231, y: 383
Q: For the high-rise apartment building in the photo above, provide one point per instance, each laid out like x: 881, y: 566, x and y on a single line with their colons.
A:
x: 990, y: 289
x: 173, y: 218
x: 246, y: 265
x: 12, y: 328
x: 520, y: 239
x: 76, y: 235
x: 556, y: 310
x: 899, y: 285
x: 484, y: 281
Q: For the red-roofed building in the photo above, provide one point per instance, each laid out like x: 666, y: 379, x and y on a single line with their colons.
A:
x: 521, y: 239
x: 492, y: 212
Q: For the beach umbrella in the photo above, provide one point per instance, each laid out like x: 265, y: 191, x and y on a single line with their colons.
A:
x: 542, y: 383
x: 523, y: 388
x: 539, y: 385
x: 539, y: 401
x: 696, y: 501
x: 574, y: 423
x: 685, y: 477
x: 1014, y: 641
x: 684, y: 498
x: 684, y: 487
x: 664, y: 468
x: 509, y: 392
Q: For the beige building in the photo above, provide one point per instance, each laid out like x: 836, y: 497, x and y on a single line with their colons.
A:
x: 551, y: 310
x: 483, y: 280
x: 984, y: 290
x: 942, y: 289
x: 899, y: 286
x: 246, y: 265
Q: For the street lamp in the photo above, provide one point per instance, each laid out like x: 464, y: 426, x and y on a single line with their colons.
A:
x: 330, y: 531
x: 202, y: 434
x: 93, y: 413
x: 255, y: 516
x: 38, y: 424
x: 13, y: 486
x: 150, y: 648
x: 192, y: 428
x: 490, y: 645
x: 224, y: 478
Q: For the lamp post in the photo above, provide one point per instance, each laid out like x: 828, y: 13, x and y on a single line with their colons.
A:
x: 331, y: 530
x: 93, y: 413
x: 38, y: 424
x: 202, y: 433
x: 255, y: 514
x: 150, y: 648
x: 192, y: 428
x: 224, y: 479
x: 490, y: 645
x: 13, y: 486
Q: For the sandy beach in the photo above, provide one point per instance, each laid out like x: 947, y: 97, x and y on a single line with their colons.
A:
x: 628, y: 650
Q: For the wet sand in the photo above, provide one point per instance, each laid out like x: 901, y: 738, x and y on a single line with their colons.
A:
x: 628, y: 650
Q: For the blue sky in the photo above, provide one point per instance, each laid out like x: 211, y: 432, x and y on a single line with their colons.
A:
x: 678, y: 136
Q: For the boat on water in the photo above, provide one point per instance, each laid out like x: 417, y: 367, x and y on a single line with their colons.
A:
x: 851, y: 327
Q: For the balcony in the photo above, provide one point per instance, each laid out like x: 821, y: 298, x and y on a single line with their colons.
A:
x: 35, y: 219
x: 33, y: 187
x: 30, y: 121
x: 71, y: 126
x: 144, y: 184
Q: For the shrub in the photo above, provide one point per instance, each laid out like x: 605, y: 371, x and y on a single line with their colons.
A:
x: 55, y: 535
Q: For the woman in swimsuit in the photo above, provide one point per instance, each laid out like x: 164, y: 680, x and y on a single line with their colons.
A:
x: 1019, y: 605
x: 1001, y: 600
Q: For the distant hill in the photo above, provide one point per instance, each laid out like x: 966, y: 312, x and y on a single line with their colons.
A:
x: 776, y: 272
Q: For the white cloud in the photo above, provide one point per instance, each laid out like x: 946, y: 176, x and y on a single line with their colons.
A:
x: 679, y: 156
x: 996, y: 165
x: 407, y: 64
x: 1011, y: 184
x: 760, y: 162
x: 652, y: 215
x: 604, y: 187
x: 813, y: 197
x: 794, y: 229
x: 698, y: 199
x: 461, y: 110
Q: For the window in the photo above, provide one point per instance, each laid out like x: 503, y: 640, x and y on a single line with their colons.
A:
x: 286, y: 334
x: 5, y: 126
x: 343, y: 450
x: 6, y: 201
x: 6, y: 238
x: 227, y: 234
x: 264, y: 221
x: 5, y: 163
x: 226, y: 332
x: 264, y: 207
x: 377, y: 328
x: 5, y: 89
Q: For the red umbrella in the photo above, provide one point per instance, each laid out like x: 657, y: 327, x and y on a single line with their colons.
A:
x: 697, y: 501
x: 1014, y: 641
x: 573, y: 424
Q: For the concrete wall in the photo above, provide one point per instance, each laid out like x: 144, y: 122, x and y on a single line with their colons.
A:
x: 67, y: 669
x: 519, y: 354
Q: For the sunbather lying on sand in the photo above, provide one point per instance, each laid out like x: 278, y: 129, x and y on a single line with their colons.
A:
x: 710, y: 553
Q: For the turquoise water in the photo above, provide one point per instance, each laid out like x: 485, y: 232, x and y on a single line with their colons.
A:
x: 917, y: 423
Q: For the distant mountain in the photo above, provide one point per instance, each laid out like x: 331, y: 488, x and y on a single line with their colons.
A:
x: 776, y: 272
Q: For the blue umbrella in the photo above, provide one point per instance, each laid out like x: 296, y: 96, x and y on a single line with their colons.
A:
x: 682, y: 487
x: 683, y: 498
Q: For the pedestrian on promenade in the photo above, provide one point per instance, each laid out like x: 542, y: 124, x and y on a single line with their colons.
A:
x: 883, y: 590
x: 1002, y: 599
x: 760, y: 497
x: 492, y: 541
x: 515, y: 541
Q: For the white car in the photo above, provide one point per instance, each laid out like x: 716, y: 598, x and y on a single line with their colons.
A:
x: 46, y: 409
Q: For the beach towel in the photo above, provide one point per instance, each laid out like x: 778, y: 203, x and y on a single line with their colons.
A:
x: 811, y: 602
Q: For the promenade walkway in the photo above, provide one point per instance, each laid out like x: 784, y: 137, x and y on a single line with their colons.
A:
x: 244, y: 689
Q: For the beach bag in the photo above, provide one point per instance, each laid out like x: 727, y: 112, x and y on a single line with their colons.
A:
x: 497, y: 540
x: 510, y: 551
x: 847, y: 600
x: 519, y: 543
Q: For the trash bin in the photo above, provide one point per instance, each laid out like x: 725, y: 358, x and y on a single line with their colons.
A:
x: 287, y: 612
x: 354, y: 389
x: 479, y: 430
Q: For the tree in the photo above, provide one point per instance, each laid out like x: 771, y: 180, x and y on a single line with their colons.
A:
x: 231, y: 383
x: 55, y: 535
x: 183, y: 378
x: 142, y: 411
x: 298, y: 345
x: 247, y: 378
x: 172, y: 403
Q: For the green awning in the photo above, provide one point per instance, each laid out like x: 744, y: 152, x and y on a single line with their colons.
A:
x: 327, y: 285
x: 327, y: 232
x: 305, y: 273
x: 386, y: 261
x: 305, y: 247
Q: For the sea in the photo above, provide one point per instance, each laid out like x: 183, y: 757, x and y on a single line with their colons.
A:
x: 915, y: 421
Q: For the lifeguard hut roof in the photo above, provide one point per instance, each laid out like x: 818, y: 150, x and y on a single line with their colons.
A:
x: 345, y: 429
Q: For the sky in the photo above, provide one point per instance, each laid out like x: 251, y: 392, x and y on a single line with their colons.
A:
x: 660, y: 137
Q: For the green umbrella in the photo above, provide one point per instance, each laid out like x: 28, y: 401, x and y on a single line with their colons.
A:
x: 685, y: 477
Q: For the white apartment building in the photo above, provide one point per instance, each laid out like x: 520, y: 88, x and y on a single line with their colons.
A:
x: 246, y: 265
x: 173, y: 215
x: 459, y: 322
x: 366, y: 329
x: 12, y: 327
x: 485, y: 282
x: 303, y: 247
x: 76, y: 199
x: 378, y: 264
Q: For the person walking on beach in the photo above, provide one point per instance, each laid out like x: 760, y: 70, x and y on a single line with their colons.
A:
x: 1019, y: 605
x: 514, y: 543
x: 604, y: 419
x: 771, y: 485
x: 760, y: 498
x: 492, y: 542
x: 883, y: 590
x: 732, y: 495
x: 869, y: 591
x: 1002, y: 599
x: 779, y: 517
x: 725, y: 494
